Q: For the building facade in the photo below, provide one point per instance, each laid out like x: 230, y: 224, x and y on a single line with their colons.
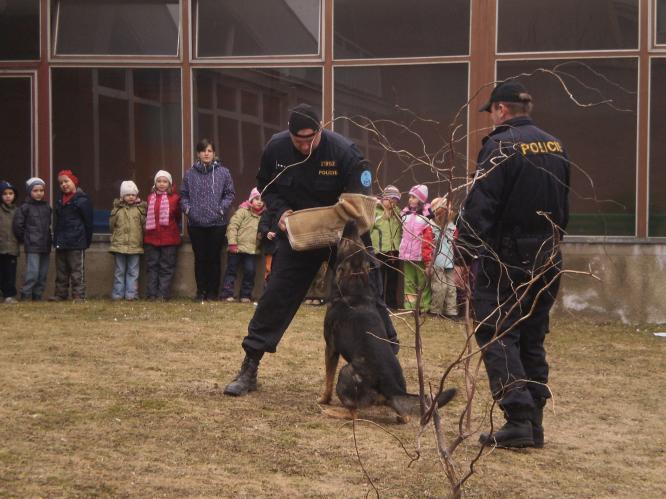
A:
x: 117, y: 89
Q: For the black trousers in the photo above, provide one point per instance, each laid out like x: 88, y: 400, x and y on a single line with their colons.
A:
x: 8, y: 275
x: 292, y: 273
x: 516, y: 363
x: 390, y: 270
x: 207, y: 243
x: 160, y: 268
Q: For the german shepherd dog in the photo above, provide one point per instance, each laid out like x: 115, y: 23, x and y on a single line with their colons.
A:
x: 354, y: 329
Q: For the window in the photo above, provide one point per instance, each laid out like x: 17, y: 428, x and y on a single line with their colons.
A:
x: 116, y: 27
x: 660, y: 16
x: 19, y: 30
x: 400, y: 117
x: 240, y: 109
x: 562, y: 25
x: 599, y: 134
x: 257, y: 27
x: 377, y: 28
x: 657, y: 206
x: 110, y: 133
x: 16, y: 130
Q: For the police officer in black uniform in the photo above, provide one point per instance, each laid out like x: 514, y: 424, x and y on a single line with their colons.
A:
x: 302, y: 167
x: 511, y: 223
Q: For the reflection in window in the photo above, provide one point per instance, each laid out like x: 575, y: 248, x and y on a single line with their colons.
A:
x: 600, y: 139
x: 116, y: 27
x: 15, y: 130
x: 240, y: 109
x: 657, y: 207
x: 107, y: 135
x: 377, y: 28
x: 19, y: 30
x: 661, y: 21
x: 561, y: 25
x: 257, y: 27
x: 410, y: 108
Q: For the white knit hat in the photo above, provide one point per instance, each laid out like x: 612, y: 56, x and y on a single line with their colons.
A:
x: 32, y: 182
x: 420, y: 192
x: 128, y: 187
x: 163, y: 173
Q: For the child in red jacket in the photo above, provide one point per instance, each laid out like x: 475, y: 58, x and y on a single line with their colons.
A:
x: 161, y: 236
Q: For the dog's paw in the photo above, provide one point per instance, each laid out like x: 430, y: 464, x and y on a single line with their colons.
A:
x: 324, y: 399
x: 402, y: 419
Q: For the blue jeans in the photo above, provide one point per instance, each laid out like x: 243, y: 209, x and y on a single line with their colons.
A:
x: 36, y: 270
x: 249, y: 263
x: 126, y: 277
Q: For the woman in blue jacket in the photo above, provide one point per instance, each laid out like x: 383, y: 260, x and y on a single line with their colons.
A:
x: 206, y: 197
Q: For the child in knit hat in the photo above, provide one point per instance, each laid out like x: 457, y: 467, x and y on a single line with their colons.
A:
x: 72, y: 235
x: 9, y: 246
x: 243, y: 236
x: 32, y: 227
x: 126, y: 223
x: 416, y: 247
x: 161, y: 237
x: 444, y: 296
x: 386, y: 236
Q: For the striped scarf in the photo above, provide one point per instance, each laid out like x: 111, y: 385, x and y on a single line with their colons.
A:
x: 164, y: 210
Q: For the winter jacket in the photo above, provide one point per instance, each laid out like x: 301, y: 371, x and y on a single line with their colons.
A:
x: 73, y: 227
x: 443, y: 247
x: 165, y: 235
x: 126, y: 223
x: 267, y: 223
x: 387, y: 232
x: 243, y: 229
x: 32, y: 226
x: 207, y: 194
x: 8, y: 243
x: 415, y: 245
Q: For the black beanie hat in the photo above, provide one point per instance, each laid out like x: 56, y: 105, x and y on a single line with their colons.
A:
x: 303, y: 116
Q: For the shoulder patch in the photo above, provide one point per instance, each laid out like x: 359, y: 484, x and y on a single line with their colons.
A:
x: 366, y: 178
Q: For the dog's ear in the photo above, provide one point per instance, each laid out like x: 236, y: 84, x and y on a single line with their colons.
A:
x: 357, y: 379
x: 350, y: 231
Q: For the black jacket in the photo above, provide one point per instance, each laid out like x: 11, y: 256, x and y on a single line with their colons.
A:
x: 73, y: 225
x: 522, y: 174
x: 32, y: 226
x: 336, y: 166
x: 267, y: 223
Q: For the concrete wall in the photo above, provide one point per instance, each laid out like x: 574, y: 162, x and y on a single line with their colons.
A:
x: 631, y: 286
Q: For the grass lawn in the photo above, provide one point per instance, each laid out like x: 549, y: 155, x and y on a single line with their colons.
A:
x: 125, y: 399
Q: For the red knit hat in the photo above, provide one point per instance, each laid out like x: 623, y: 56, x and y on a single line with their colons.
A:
x: 70, y: 175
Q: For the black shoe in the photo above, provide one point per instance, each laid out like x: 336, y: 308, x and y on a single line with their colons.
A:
x: 514, y: 434
x: 537, y: 423
x: 246, y: 379
x: 199, y: 298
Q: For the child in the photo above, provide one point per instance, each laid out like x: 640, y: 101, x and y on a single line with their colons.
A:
x: 243, y: 236
x: 9, y: 246
x: 72, y: 235
x: 444, y: 301
x: 386, y: 235
x: 415, y: 247
x: 161, y: 237
x: 126, y: 223
x: 32, y: 227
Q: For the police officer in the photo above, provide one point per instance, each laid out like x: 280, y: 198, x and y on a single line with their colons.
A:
x: 511, y: 223
x: 302, y: 167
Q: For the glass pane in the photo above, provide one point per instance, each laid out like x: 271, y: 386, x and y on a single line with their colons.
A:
x: 19, y: 29
x: 657, y: 206
x: 661, y: 21
x: 377, y: 28
x: 400, y: 118
x: 239, y: 137
x: 560, y: 25
x: 116, y: 27
x: 257, y: 27
x: 107, y: 136
x: 15, y: 131
x: 599, y: 134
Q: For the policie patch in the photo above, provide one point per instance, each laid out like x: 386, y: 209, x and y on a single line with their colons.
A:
x: 366, y: 178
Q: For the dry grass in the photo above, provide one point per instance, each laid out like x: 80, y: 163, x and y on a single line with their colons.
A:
x: 107, y: 399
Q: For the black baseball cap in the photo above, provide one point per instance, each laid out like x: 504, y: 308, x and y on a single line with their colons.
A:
x: 509, y: 91
x: 302, y: 117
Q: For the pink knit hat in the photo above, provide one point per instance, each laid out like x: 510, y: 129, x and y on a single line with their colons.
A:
x: 420, y: 192
x: 254, y: 194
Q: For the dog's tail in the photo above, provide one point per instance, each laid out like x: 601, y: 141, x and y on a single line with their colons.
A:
x: 408, y: 403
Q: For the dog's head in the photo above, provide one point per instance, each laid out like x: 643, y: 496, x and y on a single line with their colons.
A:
x: 352, y: 267
x: 353, y: 389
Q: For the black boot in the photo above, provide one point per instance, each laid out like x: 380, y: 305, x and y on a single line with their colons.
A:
x: 537, y: 423
x: 514, y: 434
x: 246, y: 379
